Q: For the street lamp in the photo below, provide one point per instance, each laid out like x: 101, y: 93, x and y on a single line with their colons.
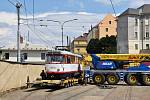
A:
x: 62, y: 25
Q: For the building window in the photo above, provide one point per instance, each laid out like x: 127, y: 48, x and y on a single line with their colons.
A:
x: 147, y: 36
x: 147, y: 28
x: 147, y: 46
x: 6, y: 55
x: 136, y: 46
x: 146, y: 21
x: 106, y: 29
x: 109, y: 22
x: 136, y: 35
x: 42, y: 56
x: 136, y: 22
x: 25, y: 56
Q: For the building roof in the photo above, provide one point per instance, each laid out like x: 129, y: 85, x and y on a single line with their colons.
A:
x: 130, y: 11
x: 84, y: 37
x: 106, y: 18
x: 63, y: 53
x: 144, y: 9
x: 25, y: 46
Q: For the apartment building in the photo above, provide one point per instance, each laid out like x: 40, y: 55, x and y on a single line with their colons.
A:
x: 133, y: 27
x: 79, y: 44
x: 107, y: 26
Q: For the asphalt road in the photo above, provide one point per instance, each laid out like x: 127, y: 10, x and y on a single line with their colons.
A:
x: 89, y: 92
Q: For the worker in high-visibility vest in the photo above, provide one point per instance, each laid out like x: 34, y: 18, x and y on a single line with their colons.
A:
x: 86, y: 74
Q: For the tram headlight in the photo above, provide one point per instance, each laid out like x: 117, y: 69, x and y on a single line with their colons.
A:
x: 52, y: 76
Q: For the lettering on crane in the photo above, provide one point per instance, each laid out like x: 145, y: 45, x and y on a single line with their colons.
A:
x: 107, y: 63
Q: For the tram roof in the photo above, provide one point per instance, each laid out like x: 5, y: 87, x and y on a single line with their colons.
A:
x: 63, y: 52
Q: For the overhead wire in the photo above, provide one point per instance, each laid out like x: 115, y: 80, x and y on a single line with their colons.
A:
x: 41, y: 38
x: 113, y: 7
x: 33, y: 14
x: 33, y: 30
x: 25, y: 8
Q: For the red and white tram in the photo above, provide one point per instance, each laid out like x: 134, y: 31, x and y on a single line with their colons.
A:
x: 63, y: 64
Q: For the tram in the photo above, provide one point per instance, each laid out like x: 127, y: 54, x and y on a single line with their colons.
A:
x: 62, y: 65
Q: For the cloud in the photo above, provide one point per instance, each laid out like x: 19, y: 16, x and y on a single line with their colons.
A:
x: 50, y: 13
x: 50, y: 35
x: 81, y: 4
x: 107, y: 2
x: 4, y: 31
x: 138, y: 3
x: 9, y: 18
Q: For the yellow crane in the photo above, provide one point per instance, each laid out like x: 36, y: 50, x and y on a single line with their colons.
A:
x: 135, y: 59
x: 120, y: 57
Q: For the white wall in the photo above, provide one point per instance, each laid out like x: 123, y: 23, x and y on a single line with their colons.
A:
x: 33, y: 56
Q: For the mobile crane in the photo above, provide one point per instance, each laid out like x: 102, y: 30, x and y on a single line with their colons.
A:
x: 109, y: 67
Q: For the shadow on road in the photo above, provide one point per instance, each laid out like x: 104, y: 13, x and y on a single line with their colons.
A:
x: 51, y: 88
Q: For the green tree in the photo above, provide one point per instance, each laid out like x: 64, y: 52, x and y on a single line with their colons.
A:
x: 93, y: 46
x: 106, y: 44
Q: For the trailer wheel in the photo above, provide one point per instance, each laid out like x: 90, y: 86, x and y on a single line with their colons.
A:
x: 99, y: 78
x: 131, y: 79
x: 66, y: 85
x: 112, y: 79
x: 146, y: 79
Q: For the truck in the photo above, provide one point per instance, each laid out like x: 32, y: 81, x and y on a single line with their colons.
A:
x: 111, y: 68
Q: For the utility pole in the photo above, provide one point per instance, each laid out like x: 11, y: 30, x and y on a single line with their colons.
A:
x: 67, y: 41
x: 62, y: 33
x: 62, y: 26
x: 28, y: 36
x: 18, y: 5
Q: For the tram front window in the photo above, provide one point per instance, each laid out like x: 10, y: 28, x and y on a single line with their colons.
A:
x: 55, y: 58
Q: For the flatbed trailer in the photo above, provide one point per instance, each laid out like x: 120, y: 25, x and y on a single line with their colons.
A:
x: 60, y: 83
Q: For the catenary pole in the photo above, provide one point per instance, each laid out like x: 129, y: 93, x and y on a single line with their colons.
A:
x: 18, y: 5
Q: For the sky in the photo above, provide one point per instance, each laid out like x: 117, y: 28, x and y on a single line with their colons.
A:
x: 48, y: 33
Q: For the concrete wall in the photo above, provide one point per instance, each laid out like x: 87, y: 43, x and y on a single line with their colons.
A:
x: 13, y: 75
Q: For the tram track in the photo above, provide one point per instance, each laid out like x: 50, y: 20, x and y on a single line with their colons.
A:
x: 32, y: 91
x: 128, y: 93
x: 125, y: 93
x: 106, y: 97
x: 62, y: 92
x: 75, y: 95
x: 69, y: 94
x: 37, y: 90
x: 89, y: 92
